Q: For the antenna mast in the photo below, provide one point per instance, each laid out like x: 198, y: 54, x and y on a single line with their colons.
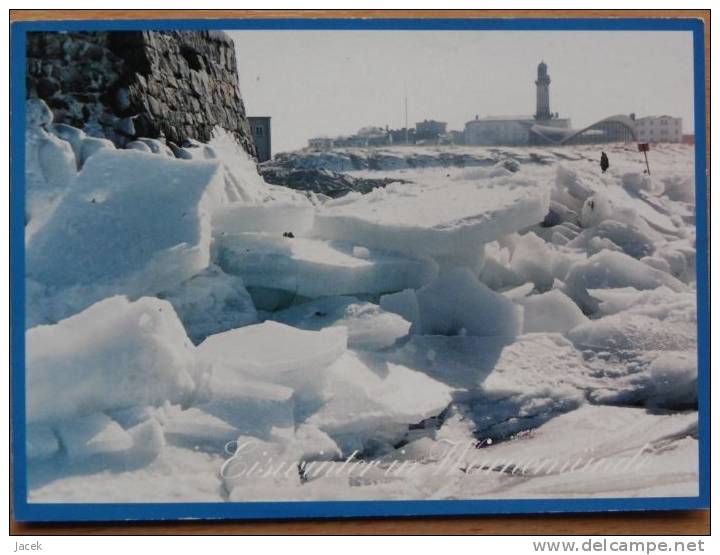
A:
x: 407, y: 138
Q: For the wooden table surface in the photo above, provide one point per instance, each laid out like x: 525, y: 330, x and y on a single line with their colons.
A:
x: 650, y: 522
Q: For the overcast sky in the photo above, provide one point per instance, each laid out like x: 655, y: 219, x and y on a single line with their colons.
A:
x: 315, y: 83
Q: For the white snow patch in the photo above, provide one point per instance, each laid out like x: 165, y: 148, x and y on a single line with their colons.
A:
x: 278, y: 353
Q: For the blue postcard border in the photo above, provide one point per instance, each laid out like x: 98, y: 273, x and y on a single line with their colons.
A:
x: 22, y: 510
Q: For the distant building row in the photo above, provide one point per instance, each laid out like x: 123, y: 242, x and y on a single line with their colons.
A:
x: 517, y: 131
x: 526, y: 130
x: 424, y: 132
x: 542, y: 128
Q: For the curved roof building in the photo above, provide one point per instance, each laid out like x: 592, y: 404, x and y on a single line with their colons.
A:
x: 618, y: 128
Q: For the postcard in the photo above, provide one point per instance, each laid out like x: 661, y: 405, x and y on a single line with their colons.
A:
x: 293, y: 268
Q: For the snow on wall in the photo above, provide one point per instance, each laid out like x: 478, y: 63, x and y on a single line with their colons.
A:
x: 128, y: 84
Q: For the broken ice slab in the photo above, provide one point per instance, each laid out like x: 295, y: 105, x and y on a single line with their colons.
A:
x: 252, y: 407
x: 317, y: 268
x: 436, y: 221
x: 133, y: 224
x: 457, y: 302
x: 236, y: 405
x: 277, y: 353
x: 194, y: 428
x: 148, y: 439
x: 116, y: 354
x: 369, y: 326
x: 533, y: 260
x: 609, y: 269
x: 550, y: 312
x: 375, y: 402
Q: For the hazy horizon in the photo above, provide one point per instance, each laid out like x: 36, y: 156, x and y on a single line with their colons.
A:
x: 329, y: 83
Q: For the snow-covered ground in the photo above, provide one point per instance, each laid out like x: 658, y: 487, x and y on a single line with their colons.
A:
x: 499, y: 323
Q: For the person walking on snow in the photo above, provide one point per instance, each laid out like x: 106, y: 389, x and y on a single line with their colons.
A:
x: 604, y: 162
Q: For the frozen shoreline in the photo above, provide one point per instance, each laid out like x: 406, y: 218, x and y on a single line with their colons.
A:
x: 530, y: 300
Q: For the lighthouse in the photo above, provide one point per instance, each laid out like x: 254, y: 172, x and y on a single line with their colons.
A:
x: 542, y: 84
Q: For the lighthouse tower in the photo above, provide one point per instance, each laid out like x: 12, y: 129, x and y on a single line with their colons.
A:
x: 543, y: 93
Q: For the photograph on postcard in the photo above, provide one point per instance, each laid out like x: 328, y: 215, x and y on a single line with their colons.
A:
x: 360, y: 264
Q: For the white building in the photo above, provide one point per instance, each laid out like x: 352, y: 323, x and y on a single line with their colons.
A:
x: 659, y: 129
x: 499, y: 130
x: 506, y: 130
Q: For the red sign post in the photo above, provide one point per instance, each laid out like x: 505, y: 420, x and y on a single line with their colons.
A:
x: 644, y: 148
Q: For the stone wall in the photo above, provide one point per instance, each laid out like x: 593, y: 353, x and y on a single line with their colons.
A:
x: 128, y: 84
